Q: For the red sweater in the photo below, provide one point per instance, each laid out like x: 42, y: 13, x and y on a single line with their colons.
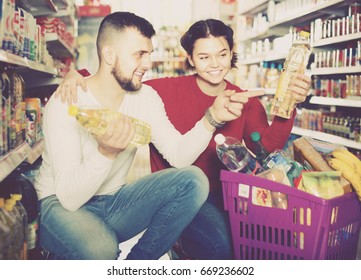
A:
x: 185, y: 104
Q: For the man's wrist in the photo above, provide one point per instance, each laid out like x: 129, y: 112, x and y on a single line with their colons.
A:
x: 211, y: 120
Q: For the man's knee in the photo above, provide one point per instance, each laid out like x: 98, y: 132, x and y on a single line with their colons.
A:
x: 198, y: 181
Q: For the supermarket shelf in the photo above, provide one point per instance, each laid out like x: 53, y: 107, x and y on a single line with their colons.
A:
x: 272, y: 56
x: 57, y: 47
x: 58, y: 8
x: 170, y: 59
x: 253, y: 7
x: 38, y: 7
x: 252, y: 60
x: 12, y: 59
x: 326, y: 137
x: 336, y: 70
x: 35, y: 152
x: 11, y: 160
x: 335, y: 101
x: 259, y: 35
x: 42, y: 81
x: 263, y: 34
x: 305, y: 14
x: 23, y: 153
x: 336, y: 40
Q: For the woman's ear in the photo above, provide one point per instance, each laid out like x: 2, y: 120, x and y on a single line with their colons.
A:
x: 190, y: 60
x: 108, y: 55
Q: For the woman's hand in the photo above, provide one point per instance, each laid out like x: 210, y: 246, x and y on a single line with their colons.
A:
x: 229, y: 104
x: 300, y: 86
x: 67, y: 88
x: 116, y: 138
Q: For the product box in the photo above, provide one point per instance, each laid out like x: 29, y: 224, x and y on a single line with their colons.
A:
x: 311, y: 159
x: 93, y: 11
x: 6, y: 25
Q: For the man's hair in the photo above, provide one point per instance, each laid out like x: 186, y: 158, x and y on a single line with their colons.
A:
x: 118, y: 22
x: 205, y: 29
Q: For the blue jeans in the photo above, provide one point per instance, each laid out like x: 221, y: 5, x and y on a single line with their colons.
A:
x: 163, y: 203
x: 208, y: 236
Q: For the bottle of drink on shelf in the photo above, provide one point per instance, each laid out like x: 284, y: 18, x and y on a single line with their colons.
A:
x: 13, y: 220
x: 95, y: 120
x: 23, y: 218
x: 295, y: 63
x: 259, y: 150
x: 5, y: 232
x: 235, y: 155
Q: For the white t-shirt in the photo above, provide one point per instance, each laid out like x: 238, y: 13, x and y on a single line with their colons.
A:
x: 75, y: 170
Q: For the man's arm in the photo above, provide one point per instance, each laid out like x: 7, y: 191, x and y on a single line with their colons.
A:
x: 76, y: 177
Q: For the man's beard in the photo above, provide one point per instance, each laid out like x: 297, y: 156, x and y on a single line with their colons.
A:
x: 125, y: 83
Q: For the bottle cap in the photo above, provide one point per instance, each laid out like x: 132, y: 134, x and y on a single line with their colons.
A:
x: 2, y: 202
x: 16, y: 196
x: 219, y: 138
x: 73, y: 110
x: 255, y: 136
x: 305, y: 34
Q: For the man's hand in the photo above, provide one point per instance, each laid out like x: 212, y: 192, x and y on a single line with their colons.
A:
x: 67, y: 88
x: 116, y: 138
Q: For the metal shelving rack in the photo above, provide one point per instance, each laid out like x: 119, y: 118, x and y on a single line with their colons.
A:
x: 304, y: 15
x: 36, y: 74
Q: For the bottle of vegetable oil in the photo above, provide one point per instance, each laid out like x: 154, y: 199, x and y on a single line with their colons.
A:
x: 96, y: 120
x: 296, y: 62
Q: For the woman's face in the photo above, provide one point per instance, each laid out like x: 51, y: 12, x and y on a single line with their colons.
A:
x: 211, y: 59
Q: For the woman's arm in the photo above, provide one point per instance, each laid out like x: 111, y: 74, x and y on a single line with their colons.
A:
x: 67, y: 88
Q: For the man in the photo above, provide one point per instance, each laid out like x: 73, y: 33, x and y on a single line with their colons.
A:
x: 86, y: 206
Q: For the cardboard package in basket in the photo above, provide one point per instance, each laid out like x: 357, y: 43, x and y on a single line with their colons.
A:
x: 312, y: 160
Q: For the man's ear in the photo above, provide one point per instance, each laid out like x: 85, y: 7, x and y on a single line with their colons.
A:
x: 108, y: 55
x: 190, y: 60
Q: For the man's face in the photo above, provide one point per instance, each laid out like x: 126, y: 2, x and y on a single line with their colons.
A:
x: 132, y: 59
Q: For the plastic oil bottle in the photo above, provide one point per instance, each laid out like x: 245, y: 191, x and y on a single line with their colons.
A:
x: 95, y: 120
x: 296, y: 62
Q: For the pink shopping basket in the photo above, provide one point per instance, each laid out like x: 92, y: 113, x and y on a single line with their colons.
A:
x: 308, y: 228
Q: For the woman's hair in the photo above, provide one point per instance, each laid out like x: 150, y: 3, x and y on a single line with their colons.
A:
x: 205, y: 29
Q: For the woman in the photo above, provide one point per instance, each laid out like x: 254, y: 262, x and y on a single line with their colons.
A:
x: 209, y: 45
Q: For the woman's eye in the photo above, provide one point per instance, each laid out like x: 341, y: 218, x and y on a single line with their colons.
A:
x: 203, y: 57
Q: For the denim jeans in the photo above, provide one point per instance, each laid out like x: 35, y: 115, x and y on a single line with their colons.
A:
x: 208, y: 236
x: 163, y: 203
